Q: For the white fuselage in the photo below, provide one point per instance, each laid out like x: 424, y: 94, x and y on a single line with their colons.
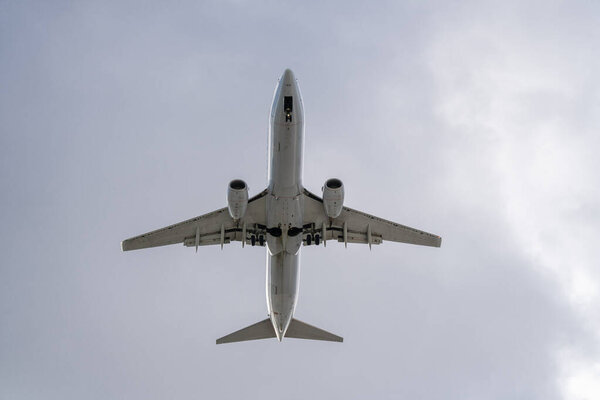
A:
x: 284, y: 202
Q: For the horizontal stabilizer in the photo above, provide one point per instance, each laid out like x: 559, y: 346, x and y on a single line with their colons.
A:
x: 301, y: 330
x: 260, y: 330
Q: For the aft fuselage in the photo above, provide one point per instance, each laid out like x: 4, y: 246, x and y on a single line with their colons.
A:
x: 284, y: 202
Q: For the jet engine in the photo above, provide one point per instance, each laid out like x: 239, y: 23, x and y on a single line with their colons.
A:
x: 333, y: 197
x: 237, y: 198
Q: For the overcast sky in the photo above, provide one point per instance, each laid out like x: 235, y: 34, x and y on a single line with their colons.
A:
x: 478, y: 122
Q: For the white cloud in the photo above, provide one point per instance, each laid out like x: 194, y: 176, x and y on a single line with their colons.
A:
x: 517, y: 93
x: 115, y: 114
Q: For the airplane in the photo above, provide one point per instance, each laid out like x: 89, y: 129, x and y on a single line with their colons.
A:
x: 283, y: 217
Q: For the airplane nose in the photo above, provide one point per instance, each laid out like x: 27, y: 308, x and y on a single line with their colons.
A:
x: 288, y: 76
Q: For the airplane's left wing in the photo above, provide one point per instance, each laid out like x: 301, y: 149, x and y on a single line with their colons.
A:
x: 216, y: 227
x: 353, y: 226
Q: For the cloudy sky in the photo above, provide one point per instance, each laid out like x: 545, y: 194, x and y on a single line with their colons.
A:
x: 476, y: 121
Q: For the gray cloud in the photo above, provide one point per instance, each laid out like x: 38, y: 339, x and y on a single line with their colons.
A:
x: 475, y: 122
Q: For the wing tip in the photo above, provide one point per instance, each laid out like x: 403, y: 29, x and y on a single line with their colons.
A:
x: 125, y: 245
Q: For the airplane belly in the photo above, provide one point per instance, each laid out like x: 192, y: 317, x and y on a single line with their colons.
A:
x: 284, y: 213
x: 283, y: 271
x: 286, y: 159
x: 284, y: 206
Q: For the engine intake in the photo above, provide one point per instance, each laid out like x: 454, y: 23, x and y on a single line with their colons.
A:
x: 333, y: 197
x: 237, y: 198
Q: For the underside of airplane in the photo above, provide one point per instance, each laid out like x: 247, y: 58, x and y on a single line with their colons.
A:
x: 283, y: 218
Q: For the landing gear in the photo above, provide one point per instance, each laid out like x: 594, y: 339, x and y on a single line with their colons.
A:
x: 317, y: 239
x: 253, y: 240
x: 261, y: 240
x: 308, y: 239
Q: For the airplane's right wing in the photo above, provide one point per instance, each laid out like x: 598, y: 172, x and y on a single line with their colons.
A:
x: 353, y: 226
x: 213, y: 228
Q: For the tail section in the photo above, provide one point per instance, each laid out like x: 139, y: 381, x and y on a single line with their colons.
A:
x: 260, y: 330
x: 302, y: 330
x: 264, y: 330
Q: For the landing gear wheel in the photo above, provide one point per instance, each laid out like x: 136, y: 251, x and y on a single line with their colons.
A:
x: 308, y: 240
x: 317, y: 239
x: 253, y: 240
x: 261, y: 240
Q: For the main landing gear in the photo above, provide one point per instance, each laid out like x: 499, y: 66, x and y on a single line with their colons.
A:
x: 309, y: 239
x: 261, y: 240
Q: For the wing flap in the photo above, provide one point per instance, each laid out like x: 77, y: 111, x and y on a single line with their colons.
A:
x: 359, y: 237
x: 387, y: 230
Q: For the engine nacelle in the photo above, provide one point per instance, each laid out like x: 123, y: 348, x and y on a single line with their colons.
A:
x: 237, y: 198
x: 333, y: 197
